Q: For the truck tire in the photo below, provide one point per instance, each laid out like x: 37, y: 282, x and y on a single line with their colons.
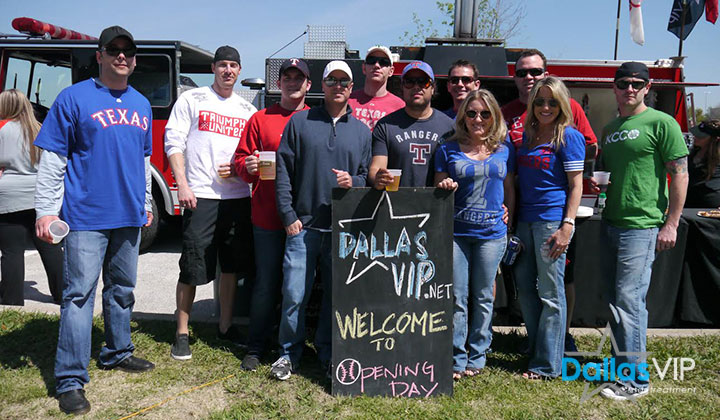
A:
x: 148, y: 234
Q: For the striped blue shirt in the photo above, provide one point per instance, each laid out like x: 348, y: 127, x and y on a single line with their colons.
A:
x: 542, y: 176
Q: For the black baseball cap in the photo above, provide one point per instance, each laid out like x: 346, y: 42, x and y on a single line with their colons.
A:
x: 228, y: 53
x: 108, y: 34
x: 633, y: 69
x: 294, y: 63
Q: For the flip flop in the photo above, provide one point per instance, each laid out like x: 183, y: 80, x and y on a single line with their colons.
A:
x: 470, y: 372
x: 532, y: 376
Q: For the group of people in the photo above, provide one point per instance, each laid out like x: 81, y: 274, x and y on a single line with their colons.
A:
x: 514, y: 169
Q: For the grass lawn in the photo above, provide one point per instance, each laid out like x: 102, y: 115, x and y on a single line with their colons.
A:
x: 27, y: 351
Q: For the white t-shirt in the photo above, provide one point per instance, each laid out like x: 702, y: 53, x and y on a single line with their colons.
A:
x: 207, y: 128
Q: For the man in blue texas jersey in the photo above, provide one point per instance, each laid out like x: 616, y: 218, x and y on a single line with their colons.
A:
x: 94, y: 173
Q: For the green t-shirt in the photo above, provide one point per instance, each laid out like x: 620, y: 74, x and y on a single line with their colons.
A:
x: 635, y: 150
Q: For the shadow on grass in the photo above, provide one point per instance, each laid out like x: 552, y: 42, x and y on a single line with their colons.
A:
x: 35, y: 344
x: 508, y: 353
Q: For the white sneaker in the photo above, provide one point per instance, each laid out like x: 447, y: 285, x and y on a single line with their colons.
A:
x: 281, y: 369
x: 620, y: 392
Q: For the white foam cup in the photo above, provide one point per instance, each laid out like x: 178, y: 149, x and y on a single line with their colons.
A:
x: 58, y: 230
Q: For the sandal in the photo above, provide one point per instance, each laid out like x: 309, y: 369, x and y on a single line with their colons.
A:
x: 532, y: 376
x: 470, y: 372
x: 458, y: 374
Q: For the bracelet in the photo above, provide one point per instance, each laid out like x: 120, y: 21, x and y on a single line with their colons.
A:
x: 569, y: 221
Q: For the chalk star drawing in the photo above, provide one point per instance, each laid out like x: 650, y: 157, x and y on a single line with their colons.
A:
x: 616, y: 351
x: 385, y: 196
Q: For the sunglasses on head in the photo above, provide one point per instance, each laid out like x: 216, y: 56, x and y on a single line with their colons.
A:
x: 472, y: 114
x: 410, y: 82
x: 372, y: 60
x: 533, y: 72
x: 623, y: 84
x: 454, y: 80
x: 552, y: 102
x: 331, y: 81
x: 114, y: 51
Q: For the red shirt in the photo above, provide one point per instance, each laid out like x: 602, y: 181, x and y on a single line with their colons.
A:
x: 515, y: 112
x: 263, y: 133
x: 369, y: 109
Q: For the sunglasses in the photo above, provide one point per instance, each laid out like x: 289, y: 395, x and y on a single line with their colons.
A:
x: 454, y: 80
x: 472, y: 114
x: 372, y: 60
x: 114, y: 51
x: 410, y: 82
x: 623, y: 84
x: 331, y: 81
x: 533, y: 72
x: 552, y: 103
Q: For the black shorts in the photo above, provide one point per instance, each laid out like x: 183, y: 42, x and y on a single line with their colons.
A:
x: 217, y: 230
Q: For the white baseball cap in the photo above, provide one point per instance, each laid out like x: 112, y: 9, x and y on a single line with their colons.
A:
x: 337, y: 65
x: 383, y: 49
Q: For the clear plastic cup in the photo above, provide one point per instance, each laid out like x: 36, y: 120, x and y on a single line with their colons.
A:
x: 396, y: 173
x: 266, y: 165
x: 58, y: 230
x: 603, y: 179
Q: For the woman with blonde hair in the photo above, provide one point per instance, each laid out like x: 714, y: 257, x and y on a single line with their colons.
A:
x: 18, y: 171
x: 479, y: 163
x: 550, y: 165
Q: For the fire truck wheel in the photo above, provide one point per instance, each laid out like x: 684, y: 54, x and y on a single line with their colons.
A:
x: 148, y: 234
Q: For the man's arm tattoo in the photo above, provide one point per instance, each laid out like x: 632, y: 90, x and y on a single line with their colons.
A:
x: 677, y: 166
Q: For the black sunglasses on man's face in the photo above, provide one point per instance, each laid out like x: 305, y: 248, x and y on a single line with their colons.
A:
x: 114, y: 51
x: 331, y: 81
x: 410, y: 82
x: 372, y: 60
x: 533, y: 72
x: 624, y: 84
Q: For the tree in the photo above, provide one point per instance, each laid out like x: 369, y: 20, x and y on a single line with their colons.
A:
x: 699, y: 115
x: 496, y: 19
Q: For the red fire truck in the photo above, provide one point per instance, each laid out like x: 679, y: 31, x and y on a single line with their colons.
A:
x: 48, y: 59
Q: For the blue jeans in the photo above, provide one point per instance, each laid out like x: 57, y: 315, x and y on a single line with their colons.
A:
x: 541, y: 293
x: 627, y: 261
x: 475, y: 264
x: 269, y: 251
x: 303, y: 253
x: 115, y: 251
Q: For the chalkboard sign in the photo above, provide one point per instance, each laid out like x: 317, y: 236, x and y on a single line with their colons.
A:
x: 392, y: 292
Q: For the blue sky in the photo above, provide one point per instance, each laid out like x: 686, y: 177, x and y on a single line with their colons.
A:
x: 567, y: 29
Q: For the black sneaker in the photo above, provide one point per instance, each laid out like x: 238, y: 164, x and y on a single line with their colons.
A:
x: 134, y: 364
x: 250, y: 362
x: 232, y: 334
x: 620, y: 392
x: 570, y: 346
x: 281, y: 369
x: 180, y: 350
x: 74, y: 402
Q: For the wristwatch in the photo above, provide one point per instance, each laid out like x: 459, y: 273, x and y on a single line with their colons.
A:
x: 569, y: 221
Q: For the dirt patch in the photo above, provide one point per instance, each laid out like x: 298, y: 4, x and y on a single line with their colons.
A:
x: 115, y: 395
